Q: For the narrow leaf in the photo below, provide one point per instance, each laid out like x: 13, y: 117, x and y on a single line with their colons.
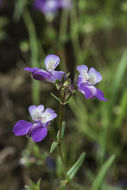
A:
x: 100, y: 177
x: 53, y: 147
x: 74, y: 169
x: 19, y: 7
x: 120, y: 73
x: 62, y: 131
x: 123, y: 108
x: 55, y: 97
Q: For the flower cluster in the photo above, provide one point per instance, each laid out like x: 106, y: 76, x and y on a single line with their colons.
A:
x: 41, y: 119
x: 51, y: 6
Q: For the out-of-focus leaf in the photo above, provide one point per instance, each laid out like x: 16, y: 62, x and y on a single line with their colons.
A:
x: 19, y: 7
x: 123, y: 108
x: 74, y: 169
x: 33, y: 186
x: 121, y: 71
x: 24, y: 46
x: 59, y: 168
x: 3, y: 22
x: 100, y: 177
x: 105, y: 186
x: 82, y: 115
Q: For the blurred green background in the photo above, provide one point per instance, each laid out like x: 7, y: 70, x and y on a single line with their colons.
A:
x: 93, y: 33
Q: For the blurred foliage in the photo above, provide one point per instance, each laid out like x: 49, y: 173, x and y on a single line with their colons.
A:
x: 3, y: 22
x: 92, y: 33
x: 33, y: 186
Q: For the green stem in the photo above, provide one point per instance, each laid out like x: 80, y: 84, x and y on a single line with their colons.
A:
x: 75, y: 34
x: 59, y: 140
x: 34, y: 53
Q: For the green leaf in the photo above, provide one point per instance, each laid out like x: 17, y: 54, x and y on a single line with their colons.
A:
x: 55, y: 97
x: 59, y: 166
x: 120, y: 73
x: 33, y: 185
x: 74, y: 169
x: 70, y: 101
x: 123, y: 108
x: 100, y: 177
x: 62, y: 131
x: 38, y: 183
x: 53, y: 147
x: 67, y: 75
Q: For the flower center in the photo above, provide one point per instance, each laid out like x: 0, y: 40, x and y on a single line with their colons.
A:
x: 50, y: 66
x: 91, y: 79
x: 45, y: 117
x: 37, y: 115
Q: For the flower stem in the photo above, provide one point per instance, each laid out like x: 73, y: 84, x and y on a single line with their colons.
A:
x: 59, y: 139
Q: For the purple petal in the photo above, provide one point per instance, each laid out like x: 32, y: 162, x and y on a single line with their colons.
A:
x: 36, y: 112
x: 83, y: 77
x: 58, y: 75
x: 88, y: 91
x: 100, y: 95
x: 48, y: 115
x: 51, y: 62
x: 31, y: 69
x: 22, y: 127
x: 81, y: 80
x: 82, y: 68
x: 95, y: 75
x: 42, y: 75
x: 46, y: 6
x: 39, y: 133
x: 65, y: 4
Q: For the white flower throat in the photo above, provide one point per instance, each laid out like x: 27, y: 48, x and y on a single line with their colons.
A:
x: 37, y: 115
x: 90, y: 78
x: 45, y: 117
x: 50, y: 65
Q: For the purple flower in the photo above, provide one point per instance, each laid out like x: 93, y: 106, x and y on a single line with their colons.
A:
x: 38, y: 129
x: 87, y: 80
x: 49, y: 75
x: 51, y: 6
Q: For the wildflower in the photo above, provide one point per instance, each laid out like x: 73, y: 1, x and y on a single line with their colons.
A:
x: 41, y: 120
x: 87, y: 80
x: 49, y: 75
x: 51, y: 6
